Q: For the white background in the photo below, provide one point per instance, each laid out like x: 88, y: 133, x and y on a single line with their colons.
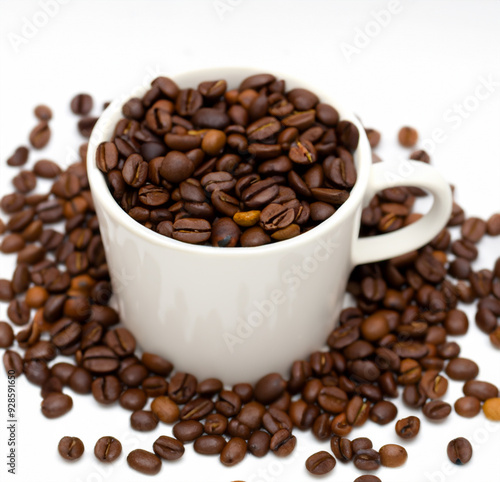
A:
x: 415, y: 67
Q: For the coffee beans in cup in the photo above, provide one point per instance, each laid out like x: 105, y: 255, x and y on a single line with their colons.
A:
x: 241, y: 167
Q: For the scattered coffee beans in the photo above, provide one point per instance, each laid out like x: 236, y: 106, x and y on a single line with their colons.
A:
x: 249, y: 182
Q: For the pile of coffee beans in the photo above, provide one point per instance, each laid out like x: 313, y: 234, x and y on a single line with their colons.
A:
x: 394, y: 340
x: 241, y: 167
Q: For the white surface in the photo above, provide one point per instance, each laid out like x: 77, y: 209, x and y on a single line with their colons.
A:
x: 429, y: 59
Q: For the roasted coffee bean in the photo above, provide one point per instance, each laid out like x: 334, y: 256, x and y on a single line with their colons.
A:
x: 156, y: 364
x: 143, y: 420
x: 100, y: 359
x: 320, y: 463
x: 269, y: 388
x: 134, y: 399
x: 144, y: 462
x: 341, y: 448
x: 367, y: 459
x: 459, y: 451
x: 13, y: 363
x: 367, y: 478
x: 70, y: 448
x: 486, y: 320
x: 258, y: 443
x: 480, y: 390
x: 209, y: 444
x: 40, y: 135
x: 187, y: 430
x: 24, y: 182
x: 383, y: 412
x: 433, y: 385
x: 467, y: 406
x: 407, y: 136
x: 107, y: 389
x: 462, y: 369
x: 168, y: 448
x: 6, y: 291
x: 6, y: 335
x: 19, y: 158
x: 283, y: 442
x: 56, y: 404
x: 107, y: 449
x: 81, y: 104
x: 165, y: 409
x: 154, y: 386
x: 85, y: 125
x: 392, y: 455
x: 408, y: 427
x: 233, y: 452
x: 436, y: 410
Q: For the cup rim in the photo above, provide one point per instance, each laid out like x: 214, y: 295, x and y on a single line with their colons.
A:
x: 104, y: 128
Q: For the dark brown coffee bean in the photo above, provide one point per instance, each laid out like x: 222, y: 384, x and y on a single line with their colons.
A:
x: 462, y: 369
x: 367, y: 459
x: 436, y: 410
x: 467, y: 406
x: 459, y: 451
x: 107, y: 449
x: 233, y: 452
x: 56, y: 404
x: 341, y: 448
x: 157, y: 364
x: 107, y: 390
x: 269, y: 388
x: 40, y: 135
x: 6, y: 335
x: 408, y: 427
x: 258, y: 443
x: 24, y: 182
x: 392, y: 455
x: 187, y: 430
x: 209, y: 444
x: 367, y: 478
x: 144, y: 462
x: 473, y: 229
x: 168, y: 448
x: 12, y: 203
x: 70, y: 448
x: 18, y: 312
x: 13, y: 363
x: 143, y: 420
x: 283, y: 443
x: 433, y: 385
x: 81, y: 104
x: 320, y: 463
x: 85, y: 125
x: 383, y: 412
x: 456, y: 322
x: 6, y: 291
x: 100, y: 359
x: 19, y: 158
x: 480, y: 390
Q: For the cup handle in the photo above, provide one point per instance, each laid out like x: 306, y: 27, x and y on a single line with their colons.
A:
x: 406, y: 173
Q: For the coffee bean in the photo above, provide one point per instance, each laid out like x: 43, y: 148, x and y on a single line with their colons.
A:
x: 408, y: 427
x: 24, y: 182
x: 392, y: 455
x: 467, y: 406
x: 473, y: 229
x: 6, y: 335
x: 81, y: 104
x: 156, y: 364
x: 165, y: 409
x: 19, y: 158
x: 46, y: 169
x: 283, y: 442
x: 107, y: 449
x: 459, y: 451
x: 269, y: 388
x: 383, y: 412
x: 433, y: 385
x: 408, y: 136
x: 107, y: 389
x: 456, y: 322
x: 209, y: 444
x: 70, y: 448
x: 462, y: 369
x: 320, y: 463
x: 367, y: 478
x: 187, y: 430
x: 436, y: 410
x: 143, y: 420
x: 491, y: 408
x: 480, y: 390
x: 85, y: 125
x: 168, y: 448
x: 233, y: 452
x: 258, y: 443
x: 144, y: 462
x: 493, y: 225
x: 367, y: 459
x: 40, y: 135
x: 56, y: 404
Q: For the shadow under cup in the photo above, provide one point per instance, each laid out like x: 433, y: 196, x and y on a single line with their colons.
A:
x: 236, y: 314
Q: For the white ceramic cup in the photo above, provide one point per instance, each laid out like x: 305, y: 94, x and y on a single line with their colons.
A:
x: 239, y: 313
